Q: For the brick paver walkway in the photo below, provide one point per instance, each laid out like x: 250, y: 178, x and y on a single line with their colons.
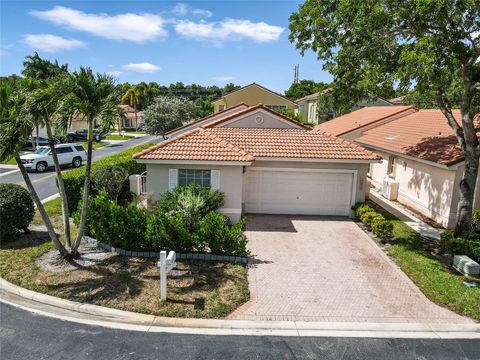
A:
x: 325, y: 269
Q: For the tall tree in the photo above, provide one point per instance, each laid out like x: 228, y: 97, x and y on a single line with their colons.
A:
x: 92, y: 96
x: 370, y: 45
x: 15, y: 128
x: 304, y: 88
x: 167, y: 113
x: 203, y: 107
x: 134, y: 96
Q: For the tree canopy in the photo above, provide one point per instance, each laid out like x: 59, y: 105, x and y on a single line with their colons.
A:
x: 304, y: 88
x: 373, y: 45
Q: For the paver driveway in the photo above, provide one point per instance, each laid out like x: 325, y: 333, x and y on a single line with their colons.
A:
x: 327, y: 269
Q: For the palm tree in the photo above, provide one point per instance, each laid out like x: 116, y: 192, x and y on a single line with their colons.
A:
x: 133, y: 96
x: 47, y: 86
x: 92, y: 96
x: 15, y: 128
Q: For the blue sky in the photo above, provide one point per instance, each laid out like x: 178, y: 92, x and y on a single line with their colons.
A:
x: 203, y: 42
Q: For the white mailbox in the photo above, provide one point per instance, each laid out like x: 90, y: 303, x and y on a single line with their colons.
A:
x: 166, y: 264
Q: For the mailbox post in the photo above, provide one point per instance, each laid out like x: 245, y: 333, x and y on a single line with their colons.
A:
x: 166, y: 264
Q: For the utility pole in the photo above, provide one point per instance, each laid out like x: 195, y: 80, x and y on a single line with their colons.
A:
x: 295, y: 73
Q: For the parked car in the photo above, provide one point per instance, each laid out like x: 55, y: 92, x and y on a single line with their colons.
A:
x: 32, y: 142
x: 41, y: 159
x: 81, y: 135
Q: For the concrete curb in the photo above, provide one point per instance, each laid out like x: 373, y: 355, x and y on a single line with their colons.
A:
x: 67, y: 310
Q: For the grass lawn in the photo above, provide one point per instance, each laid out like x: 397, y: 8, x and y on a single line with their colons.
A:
x: 436, y: 280
x: 126, y: 283
x: 10, y: 162
x: 96, y: 145
x: 118, y: 137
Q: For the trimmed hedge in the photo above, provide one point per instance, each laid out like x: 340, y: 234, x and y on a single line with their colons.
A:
x: 74, y: 179
x: 16, y: 210
x: 460, y: 246
x: 375, y: 221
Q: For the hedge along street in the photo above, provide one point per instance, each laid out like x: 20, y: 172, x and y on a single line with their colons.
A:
x: 45, y: 183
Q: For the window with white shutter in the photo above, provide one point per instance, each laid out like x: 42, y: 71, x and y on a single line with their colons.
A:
x: 215, y: 179
x: 172, y: 179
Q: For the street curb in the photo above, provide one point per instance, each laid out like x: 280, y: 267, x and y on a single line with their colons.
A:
x: 113, y: 318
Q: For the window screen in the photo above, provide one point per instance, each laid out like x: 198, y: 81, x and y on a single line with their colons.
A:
x: 192, y: 176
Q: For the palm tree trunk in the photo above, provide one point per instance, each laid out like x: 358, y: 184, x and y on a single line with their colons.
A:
x: 41, y: 208
x: 61, y: 186
x: 86, y: 190
x: 135, y: 109
x: 36, y: 140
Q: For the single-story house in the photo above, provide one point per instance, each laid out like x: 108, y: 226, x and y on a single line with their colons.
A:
x: 263, y: 162
x: 253, y: 94
x: 307, y: 106
x: 130, y: 121
x: 421, y: 156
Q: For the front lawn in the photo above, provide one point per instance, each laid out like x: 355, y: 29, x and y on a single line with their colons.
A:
x: 10, y: 162
x: 95, y: 144
x: 126, y: 283
x: 118, y: 137
x: 435, y: 279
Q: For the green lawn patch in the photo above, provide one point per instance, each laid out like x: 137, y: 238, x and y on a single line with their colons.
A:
x: 10, y: 162
x: 95, y: 144
x: 435, y: 279
x: 118, y: 137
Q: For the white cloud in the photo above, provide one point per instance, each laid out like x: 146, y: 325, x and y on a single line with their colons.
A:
x: 143, y: 67
x: 116, y: 73
x: 182, y: 9
x: 131, y: 27
x: 223, y: 78
x: 228, y: 29
x: 202, y: 12
x: 51, y: 43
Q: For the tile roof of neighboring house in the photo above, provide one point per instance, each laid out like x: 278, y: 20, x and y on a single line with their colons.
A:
x: 313, y: 96
x: 253, y: 108
x: 424, y: 134
x: 260, y: 86
x: 211, y: 116
x: 360, y: 118
x: 244, y: 144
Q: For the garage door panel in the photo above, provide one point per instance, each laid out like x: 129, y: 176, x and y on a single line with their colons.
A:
x: 309, y: 193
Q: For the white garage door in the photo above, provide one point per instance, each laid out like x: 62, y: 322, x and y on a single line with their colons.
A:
x: 298, y: 192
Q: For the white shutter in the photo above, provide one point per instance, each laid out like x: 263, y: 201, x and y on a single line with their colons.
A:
x: 172, y: 179
x: 215, y: 179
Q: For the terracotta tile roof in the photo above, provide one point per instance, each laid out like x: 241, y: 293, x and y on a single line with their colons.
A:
x: 360, y: 118
x: 213, y: 116
x: 253, y: 108
x: 198, y: 144
x: 424, y: 134
x: 244, y: 144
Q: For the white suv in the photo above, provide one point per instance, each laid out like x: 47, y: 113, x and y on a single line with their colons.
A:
x: 41, y: 159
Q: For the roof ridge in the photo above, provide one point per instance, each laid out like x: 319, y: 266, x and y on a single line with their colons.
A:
x: 350, y: 144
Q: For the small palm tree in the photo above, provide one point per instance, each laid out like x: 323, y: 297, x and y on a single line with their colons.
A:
x: 92, y: 96
x: 133, y: 96
x: 15, y: 128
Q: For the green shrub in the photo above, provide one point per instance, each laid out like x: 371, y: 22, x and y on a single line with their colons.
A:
x: 382, y: 228
x: 476, y: 220
x: 120, y: 226
x: 459, y: 246
x: 361, y: 209
x: 73, y: 179
x: 370, y: 216
x: 111, y: 178
x: 214, y: 232
x: 16, y: 210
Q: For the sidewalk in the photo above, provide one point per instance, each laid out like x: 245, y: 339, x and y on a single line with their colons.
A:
x: 406, y: 216
x: 97, y: 315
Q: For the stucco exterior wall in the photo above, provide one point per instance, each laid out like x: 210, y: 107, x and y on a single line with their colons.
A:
x: 425, y: 188
x: 252, y: 95
x: 231, y: 184
x: 269, y: 121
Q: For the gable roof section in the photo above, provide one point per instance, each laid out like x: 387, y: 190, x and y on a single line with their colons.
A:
x: 227, y: 112
x: 425, y: 134
x: 258, y: 85
x: 252, y: 109
x: 361, y: 118
x: 199, y: 145
x: 245, y: 144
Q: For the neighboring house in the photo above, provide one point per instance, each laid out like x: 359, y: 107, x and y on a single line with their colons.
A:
x: 129, y: 121
x: 254, y: 94
x: 420, y: 155
x: 307, y: 107
x: 263, y: 162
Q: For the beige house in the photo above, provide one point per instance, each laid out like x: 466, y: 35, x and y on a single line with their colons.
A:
x: 307, y: 107
x: 422, y: 162
x: 263, y: 162
x: 254, y: 94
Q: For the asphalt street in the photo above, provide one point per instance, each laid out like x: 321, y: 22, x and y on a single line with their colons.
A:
x: 24, y: 336
x: 44, y: 183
